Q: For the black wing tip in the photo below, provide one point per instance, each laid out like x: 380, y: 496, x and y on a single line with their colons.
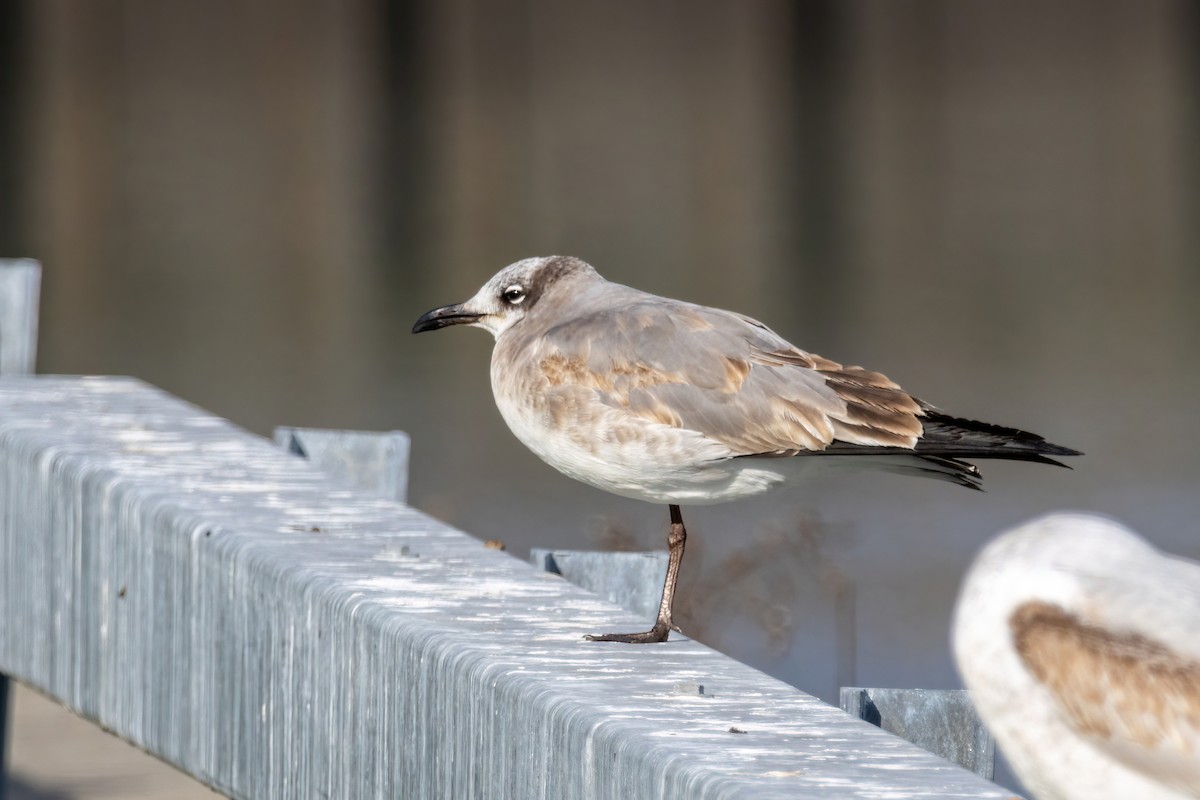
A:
x: 969, y: 480
x: 1050, y: 449
x: 970, y: 438
x: 1033, y: 458
x: 956, y: 471
x: 1041, y: 459
x: 972, y: 485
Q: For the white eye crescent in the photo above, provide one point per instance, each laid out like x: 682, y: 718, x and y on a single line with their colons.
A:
x: 515, y: 294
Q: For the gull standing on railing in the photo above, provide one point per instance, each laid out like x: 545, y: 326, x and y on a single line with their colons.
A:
x: 672, y: 402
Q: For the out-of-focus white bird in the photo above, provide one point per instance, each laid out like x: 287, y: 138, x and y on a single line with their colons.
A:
x: 1080, y: 644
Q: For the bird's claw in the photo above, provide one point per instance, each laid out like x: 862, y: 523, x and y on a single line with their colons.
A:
x: 658, y: 633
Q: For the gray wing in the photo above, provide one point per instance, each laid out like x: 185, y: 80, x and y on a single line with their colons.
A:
x: 727, y: 377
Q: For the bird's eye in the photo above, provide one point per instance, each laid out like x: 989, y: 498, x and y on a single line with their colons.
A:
x: 514, y: 294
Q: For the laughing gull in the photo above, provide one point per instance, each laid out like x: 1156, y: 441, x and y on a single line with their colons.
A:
x: 677, y: 403
x: 1080, y: 644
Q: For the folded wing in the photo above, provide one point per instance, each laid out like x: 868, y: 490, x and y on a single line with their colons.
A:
x: 729, y: 378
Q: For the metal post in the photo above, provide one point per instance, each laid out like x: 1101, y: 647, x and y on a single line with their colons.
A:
x: 942, y: 721
x: 20, y: 282
x: 375, y: 462
x: 5, y: 683
x: 633, y: 581
x: 845, y: 622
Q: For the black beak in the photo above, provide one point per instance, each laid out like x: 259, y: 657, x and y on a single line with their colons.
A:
x: 444, y: 317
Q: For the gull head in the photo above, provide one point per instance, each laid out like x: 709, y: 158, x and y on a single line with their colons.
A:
x: 512, y: 294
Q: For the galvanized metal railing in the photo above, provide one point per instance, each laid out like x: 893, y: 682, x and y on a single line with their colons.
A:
x: 222, y: 605
x: 942, y: 721
x: 20, y: 285
x: 377, y: 463
x: 276, y: 633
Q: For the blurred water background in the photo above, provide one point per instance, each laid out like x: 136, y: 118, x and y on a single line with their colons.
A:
x: 993, y: 203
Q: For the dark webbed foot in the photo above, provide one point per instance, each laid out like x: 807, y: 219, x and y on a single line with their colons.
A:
x: 658, y: 633
x: 676, y: 540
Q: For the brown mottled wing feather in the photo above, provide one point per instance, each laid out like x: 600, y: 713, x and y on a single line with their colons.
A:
x: 728, y: 377
x: 1134, y: 697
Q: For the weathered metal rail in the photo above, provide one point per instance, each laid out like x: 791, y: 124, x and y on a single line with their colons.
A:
x: 943, y: 721
x: 20, y: 285
x: 223, y: 605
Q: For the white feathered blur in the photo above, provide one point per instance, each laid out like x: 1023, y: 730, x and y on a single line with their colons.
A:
x: 1080, y: 643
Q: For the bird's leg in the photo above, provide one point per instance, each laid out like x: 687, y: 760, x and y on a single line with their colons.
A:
x: 663, y: 626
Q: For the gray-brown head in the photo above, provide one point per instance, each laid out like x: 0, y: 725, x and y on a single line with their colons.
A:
x: 512, y: 294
